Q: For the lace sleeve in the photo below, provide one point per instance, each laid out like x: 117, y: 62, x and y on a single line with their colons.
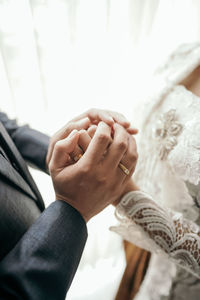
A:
x: 148, y: 225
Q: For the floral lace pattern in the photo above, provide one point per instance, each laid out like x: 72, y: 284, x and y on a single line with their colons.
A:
x: 165, y: 131
x: 170, y: 232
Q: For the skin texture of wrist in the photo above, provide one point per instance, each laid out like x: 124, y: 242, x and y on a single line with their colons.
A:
x: 131, y: 186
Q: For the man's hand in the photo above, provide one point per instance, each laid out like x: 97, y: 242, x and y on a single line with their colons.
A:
x: 92, y: 116
x: 95, y: 180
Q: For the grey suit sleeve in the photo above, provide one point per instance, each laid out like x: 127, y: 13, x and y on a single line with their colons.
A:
x: 44, y: 262
x: 32, y: 144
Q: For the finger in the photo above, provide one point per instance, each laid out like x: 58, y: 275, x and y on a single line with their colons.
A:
x: 91, y: 130
x: 107, y: 116
x: 76, y: 154
x: 120, y: 119
x: 99, y: 143
x: 118, y: 147
x: 84, y: 139
x: 132, y: 130
x: 98, y: 115
x: 67, y: 129
x: 83, y: 143
x: 60, y: 157
x: 117, y: 117
x: 129, y: 159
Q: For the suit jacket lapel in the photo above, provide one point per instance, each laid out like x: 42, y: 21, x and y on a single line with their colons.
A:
x: 20, y: 164
x: 14, y: 177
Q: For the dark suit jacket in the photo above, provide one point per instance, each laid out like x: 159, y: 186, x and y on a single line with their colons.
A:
x: 39, y: 251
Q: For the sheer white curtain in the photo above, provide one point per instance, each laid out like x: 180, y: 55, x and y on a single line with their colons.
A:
x: 61, y: 57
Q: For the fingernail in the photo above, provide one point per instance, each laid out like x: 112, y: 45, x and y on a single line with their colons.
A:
x: 72, y: 133
x: 133, y: 131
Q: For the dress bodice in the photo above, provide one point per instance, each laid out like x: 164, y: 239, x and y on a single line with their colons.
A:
x: 169, y: 143
x: 170, y: 151
x: 169, y: 167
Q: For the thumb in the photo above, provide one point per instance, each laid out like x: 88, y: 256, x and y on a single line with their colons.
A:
x: 62, y: 149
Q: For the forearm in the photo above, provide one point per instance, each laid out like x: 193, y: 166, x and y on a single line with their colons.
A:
x: 44, y: 262
x: 169, y: 231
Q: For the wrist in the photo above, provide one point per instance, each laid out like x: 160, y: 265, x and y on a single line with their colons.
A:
x: 130, y: 187
x: 70, y: 202
x: 76, y: 209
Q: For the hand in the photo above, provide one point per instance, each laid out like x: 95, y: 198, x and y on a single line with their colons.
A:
x: 85, y: 139
x: 92, y: 116
x: 95, y: 181
x: 107, y: 116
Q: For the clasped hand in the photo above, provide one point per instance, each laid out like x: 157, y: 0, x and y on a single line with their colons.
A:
x: 104, y: 139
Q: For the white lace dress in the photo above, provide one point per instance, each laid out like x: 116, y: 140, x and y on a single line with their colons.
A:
x: 167, y: 222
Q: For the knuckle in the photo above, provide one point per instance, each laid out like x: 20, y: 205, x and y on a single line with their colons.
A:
x: 70, y: 126
x: 103, y: 137
x: 86, y: 169
x: 92, y: 129
x: 91, y: 110
x: 82, y: 132
x: 59, y: 145
x: 101, y: 179
x: 122, y: 146
x: 133, y: 156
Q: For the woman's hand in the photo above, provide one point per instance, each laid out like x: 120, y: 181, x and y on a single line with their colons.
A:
x: 107, y: 116
x: 84, y: 121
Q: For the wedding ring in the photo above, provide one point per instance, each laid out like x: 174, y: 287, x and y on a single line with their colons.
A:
x: 77, y: 157
x: 124, y: 169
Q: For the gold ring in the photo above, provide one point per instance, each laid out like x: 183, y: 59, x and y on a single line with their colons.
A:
x: 124, y: 169
x: 77, y: 157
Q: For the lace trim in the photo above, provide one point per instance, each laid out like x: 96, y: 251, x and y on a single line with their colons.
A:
x: 166, y: 130
x: 168, y: 231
